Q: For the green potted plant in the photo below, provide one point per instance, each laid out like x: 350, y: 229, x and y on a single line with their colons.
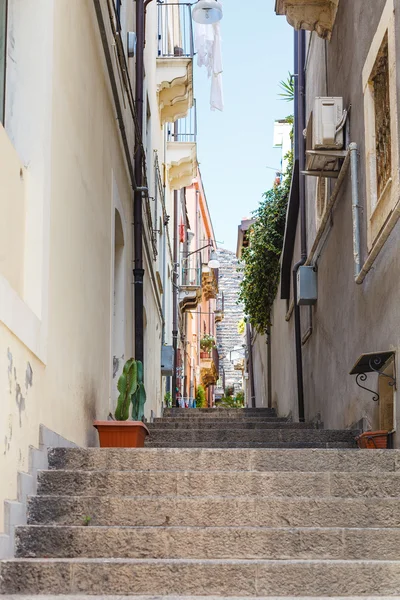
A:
x: 207, y: 343
x: 120, y: 432
x: 201, y: 401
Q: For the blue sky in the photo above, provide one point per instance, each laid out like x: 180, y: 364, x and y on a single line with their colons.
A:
x: 235, y: 146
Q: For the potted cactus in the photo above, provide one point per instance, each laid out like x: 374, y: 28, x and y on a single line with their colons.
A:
x: 119, y: 432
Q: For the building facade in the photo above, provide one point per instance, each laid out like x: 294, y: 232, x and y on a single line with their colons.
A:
x: 342, y: 220
x: 97, y: 140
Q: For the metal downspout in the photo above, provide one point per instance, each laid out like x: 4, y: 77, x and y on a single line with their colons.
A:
x: 251, y: 366
x: 269, y: 363
x: 175, y: 291
x: 353, y: 149
x: 138, y: 271
x: 300, y: 106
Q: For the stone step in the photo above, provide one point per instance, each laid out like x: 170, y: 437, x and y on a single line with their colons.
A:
x: 199, y: 577
x: 240, y: 444
x: 305, y: 436
x: 217, y: 424
x: 169, y: 597
x: 194, y: 459
x: 219, y: 483
x: 208, y: 543
x: 216, y: 413
x: 218, y: 511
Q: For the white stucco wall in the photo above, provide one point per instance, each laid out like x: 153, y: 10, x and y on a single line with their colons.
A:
x: 57, y: 277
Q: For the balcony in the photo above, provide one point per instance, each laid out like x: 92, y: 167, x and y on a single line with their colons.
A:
x: 312, y: 15
x: 209, y: 369
x: 175, y: 61
x: 219, y: 311
x: 210, y: 283
x: 190, y: 291
x: 182, y: 151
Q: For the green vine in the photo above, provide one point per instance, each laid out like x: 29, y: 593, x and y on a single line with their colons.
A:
x: 260, y: 263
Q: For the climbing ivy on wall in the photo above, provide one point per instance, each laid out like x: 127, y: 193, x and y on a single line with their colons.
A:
x: 260, y: 262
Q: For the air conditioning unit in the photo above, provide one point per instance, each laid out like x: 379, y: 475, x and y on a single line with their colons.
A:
x: 325, y: 137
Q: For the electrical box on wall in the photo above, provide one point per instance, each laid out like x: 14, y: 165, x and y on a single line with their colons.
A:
x: 307, y: 291
x: 167, y: 361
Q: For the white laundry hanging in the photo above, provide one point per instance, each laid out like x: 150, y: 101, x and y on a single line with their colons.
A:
x: 209, y: 54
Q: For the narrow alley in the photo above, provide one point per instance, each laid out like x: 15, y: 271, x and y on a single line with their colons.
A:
x: 199, y: 299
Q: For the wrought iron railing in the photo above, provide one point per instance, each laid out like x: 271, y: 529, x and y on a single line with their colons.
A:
x: 184, y: 130
x: 159, y: 197
x: 220, y: 303
x: 191, y: 273
x: 175, y: 30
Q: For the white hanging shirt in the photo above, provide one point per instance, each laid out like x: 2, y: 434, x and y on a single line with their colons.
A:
x: 209, y: 54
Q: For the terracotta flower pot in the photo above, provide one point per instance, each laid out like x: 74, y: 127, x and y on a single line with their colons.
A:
x: 373, y: 439
x: 121, y: 434
x: 204, y: 354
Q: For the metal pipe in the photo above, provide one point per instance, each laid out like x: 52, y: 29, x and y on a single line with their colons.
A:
x: 114, y: 88
x: 251, y: 366
x: 353, y: 149
x: 138, y: 270
x: 300, y: 107
x: 175, y: 291
x: 269, y: 363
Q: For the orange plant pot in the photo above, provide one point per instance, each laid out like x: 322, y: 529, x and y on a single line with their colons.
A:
x: 373, y: 439
x: 121, y: 434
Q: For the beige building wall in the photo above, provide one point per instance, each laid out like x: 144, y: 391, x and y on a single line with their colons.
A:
x: 66, y: 293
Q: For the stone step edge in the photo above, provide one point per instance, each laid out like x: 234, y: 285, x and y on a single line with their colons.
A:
x: 291, y: 499
x: 189, y: 471
x: 199, y: 561
x: 198, y: 528
x: 249, y: 498
x: 158, y: 597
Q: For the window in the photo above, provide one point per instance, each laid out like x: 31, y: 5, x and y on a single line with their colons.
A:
x: 381, y: 146
x: 383, y: 140
x: 3, y: 45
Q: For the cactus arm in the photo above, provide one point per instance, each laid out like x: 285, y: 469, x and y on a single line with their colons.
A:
x: 139, y: 396
x: 127, y: 385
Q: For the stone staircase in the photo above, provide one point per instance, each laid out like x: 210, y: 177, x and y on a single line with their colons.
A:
x: 213, y: 522
x: 247, y: 428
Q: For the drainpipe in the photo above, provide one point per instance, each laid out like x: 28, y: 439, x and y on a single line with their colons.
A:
x: 138, y: 271
x: 251, y: 367
x: 300, y: 119
x: 175, y: 291
x: 353, y: 149
x: 269, y: 363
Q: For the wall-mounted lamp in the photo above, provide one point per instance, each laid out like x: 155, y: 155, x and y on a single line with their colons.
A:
x: 214, y: 263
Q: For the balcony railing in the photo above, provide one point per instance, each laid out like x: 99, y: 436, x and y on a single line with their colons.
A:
x: 175, y: 30
x: 184, y: 130
x: 191, y: 274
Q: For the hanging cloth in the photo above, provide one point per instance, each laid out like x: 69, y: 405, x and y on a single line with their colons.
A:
x: 209, y: 55
x: 217, y: 96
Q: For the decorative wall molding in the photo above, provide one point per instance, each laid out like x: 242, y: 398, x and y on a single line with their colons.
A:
x: 312, y: 15
x: 182, y: 164
x: 175, y: 88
